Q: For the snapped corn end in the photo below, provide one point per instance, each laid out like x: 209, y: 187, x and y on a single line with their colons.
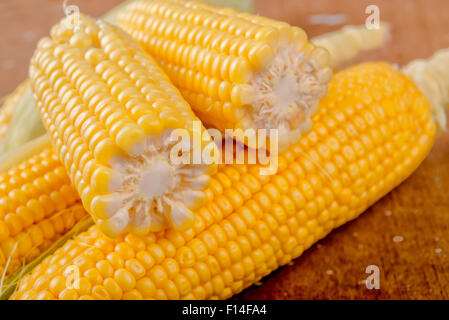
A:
x: 111, y: 111
x: 237, y: 70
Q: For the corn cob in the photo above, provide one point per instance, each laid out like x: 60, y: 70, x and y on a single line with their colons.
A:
x: 373, y: 129
x: 237, y: 70
x: 111, y: 112
x: 343, y: 45
x: 35, y: 193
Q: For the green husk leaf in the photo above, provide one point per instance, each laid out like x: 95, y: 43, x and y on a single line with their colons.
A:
x: 25, y: 124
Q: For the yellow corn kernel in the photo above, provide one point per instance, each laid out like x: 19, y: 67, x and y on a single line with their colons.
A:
x: 110, y: 112
x: 36, y: 200
x: 237, y: 70
x: 251, y: 224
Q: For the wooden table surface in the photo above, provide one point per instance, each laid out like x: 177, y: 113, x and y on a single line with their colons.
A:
x: 406, y: 234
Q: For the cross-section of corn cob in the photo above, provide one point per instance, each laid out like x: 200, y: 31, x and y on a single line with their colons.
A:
x: 111, y: 111
x: 373, y: 129
x: 237, y: 70
x: 37, y: 205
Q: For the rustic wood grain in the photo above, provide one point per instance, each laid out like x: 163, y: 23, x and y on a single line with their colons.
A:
x: 416, y: 212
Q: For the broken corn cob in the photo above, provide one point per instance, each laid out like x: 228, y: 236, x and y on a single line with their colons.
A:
x: 343, y: 44
x: 35, y: 194
x: 111, y: 111
x: 237, y: 70
x: 373, y: 129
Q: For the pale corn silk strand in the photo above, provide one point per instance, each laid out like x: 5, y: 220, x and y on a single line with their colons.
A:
x: 11, y: 281
x: 412, y: 130
x: 25, y: 260
x: 34, y: 191
x: 22, y: 260
x: 3, y: 277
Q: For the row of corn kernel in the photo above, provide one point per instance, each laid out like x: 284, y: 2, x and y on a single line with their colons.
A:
x: 33, y: 194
